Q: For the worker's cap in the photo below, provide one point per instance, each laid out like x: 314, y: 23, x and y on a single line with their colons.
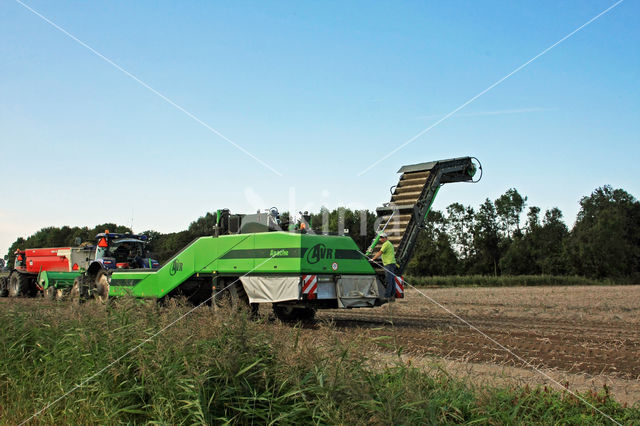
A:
x: 383, y: 235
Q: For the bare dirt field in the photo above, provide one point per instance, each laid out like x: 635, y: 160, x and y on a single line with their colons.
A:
x: 583, y: 336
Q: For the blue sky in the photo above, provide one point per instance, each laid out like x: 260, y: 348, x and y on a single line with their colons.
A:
x: 319, y: 91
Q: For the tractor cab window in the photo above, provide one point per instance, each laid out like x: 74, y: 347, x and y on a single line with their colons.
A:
x: 125, y: 251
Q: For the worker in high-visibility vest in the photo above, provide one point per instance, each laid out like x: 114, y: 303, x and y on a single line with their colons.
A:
x: 388, y: 254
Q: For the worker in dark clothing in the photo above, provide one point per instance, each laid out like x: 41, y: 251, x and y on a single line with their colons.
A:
x: 388, y: 254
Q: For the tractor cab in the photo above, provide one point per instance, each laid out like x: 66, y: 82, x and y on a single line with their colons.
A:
x: 124, y: 251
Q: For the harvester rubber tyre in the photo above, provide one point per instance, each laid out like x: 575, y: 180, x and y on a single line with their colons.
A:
x: 306, y: 314
x: 102, y: 284
x: 286, y: 313
x: 50, y: 293
x: 233, y: 296
x: 18, y: 284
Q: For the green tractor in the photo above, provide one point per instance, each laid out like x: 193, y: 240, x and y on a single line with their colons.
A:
x: 250, y: 259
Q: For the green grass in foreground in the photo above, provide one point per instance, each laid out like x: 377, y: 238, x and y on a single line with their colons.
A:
x: 218, y: 367
x: 504, y: 281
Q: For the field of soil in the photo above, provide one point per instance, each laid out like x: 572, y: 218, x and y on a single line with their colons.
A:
x: 585, y: 337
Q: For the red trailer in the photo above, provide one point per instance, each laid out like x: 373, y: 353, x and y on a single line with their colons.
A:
x: 47, y: 259
x: 30, y: 262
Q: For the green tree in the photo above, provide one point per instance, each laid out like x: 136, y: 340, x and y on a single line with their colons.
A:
x: 203, y: 226
x: 360, y: 224
x: 459, y: 226
x: 533, y: 218
x: 486, y: 240
x: 605, y: 241
x: 509, y: 207
x: 434, y: 254
x: 540, y: 249
x: 550, y: 239
x: 518, y: 258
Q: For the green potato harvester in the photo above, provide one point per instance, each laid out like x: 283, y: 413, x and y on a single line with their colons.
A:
x: 254, y: 258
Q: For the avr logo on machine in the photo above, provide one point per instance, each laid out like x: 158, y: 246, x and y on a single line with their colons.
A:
x: 175, y: 267
x: 318, y: 252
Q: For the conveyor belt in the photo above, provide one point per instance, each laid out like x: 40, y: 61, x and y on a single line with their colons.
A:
x: 412, y: 198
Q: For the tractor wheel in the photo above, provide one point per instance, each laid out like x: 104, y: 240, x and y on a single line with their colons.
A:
x: 18, y: 284
x: 4, y: 287
x: 102, y: 284
x: 50, y: 292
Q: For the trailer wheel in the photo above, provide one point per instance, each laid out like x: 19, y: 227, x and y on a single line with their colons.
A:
x: 50, y: 292
x: 102, y: 283
x: 77, y: 291
x: 59, y: 294
x: 18, y: 284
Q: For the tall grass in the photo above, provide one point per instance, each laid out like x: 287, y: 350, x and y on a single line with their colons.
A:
x: 220, y: 367
x: 504, y: 281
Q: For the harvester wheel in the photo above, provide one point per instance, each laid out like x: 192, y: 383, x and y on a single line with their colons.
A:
x: 18, y: 284
x: 50, y: 292
x: 239, y: 296
x: 232, y: 295
x: 285, y: 312
x: 306, y: 314
x: 288, y: 313
x: 102, y: 283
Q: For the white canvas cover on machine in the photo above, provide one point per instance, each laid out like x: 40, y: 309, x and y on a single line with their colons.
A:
x: 357, y: 291
x: 261, y: 289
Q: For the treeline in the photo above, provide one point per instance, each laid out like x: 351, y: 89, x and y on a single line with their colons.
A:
x: 503, y: 237
x: 507, y: 237
x: 499, y: 237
